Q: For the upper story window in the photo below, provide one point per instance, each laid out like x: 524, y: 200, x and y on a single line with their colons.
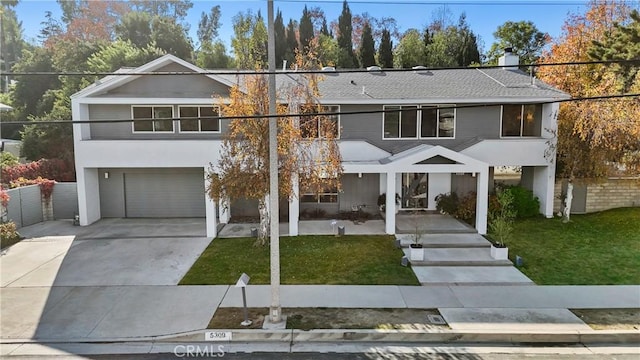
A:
x: 521, y: 120
x: 319, y: 126
x: 414, y: 121
x: 152, y: 118
x: 199, y: 119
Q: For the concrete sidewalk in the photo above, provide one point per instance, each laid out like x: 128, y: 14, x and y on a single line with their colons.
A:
x: 95, y: 313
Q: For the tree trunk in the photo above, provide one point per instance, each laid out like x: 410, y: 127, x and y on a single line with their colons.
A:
x: 567, y: 202
x: 263, y: 229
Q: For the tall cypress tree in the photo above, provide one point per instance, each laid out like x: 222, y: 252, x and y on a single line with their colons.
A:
x: 345, y: 31
x: 305, y: 29
x: 385, y: 52
x: 281, y: 38
x: 324, y: 30
x: 292, y: 42
x: 367, y: 50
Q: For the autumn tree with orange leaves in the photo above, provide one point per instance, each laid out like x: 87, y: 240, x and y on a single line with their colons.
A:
x: 596, y: 138
x: 307, y: 146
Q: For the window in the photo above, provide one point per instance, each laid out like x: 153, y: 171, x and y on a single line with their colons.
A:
x: 316, y: 126
x: 327, y: 196
x: 152, y: 118
x: 432, y: 121
x: 199, y: 119
x: 521, y: 120
x: 436, y: 122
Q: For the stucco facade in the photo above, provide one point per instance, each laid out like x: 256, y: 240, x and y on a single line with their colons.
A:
x: 113, y: 157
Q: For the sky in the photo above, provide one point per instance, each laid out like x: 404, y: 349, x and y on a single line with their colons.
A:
x: 483, y: 16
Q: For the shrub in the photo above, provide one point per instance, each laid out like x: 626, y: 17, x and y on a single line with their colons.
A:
x: 501, y: 220
x: 8, y: 159
x: 525, y: 203
x: 54, y: 169
x: 4, y: 197
x: 8, y: 233
x: 447, y: 203
x: 467, y: 208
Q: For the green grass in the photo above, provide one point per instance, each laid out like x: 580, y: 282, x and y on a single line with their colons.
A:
x: 594, y: 249
x: 345, y: 260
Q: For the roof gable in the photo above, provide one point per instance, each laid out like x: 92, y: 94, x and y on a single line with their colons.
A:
x: 166, y: 63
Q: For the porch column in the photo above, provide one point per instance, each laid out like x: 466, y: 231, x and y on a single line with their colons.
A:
x: 390, y: 205
x: 383, y: 183
x: 294, y: 205
x: 88, y: 195
x: 210, y: 213
x: 543, y: 188
x: 482, y: 200
x: 224, y: 210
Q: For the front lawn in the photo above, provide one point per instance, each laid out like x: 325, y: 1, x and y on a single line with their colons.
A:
x: 344, y: 260
x: 594, y: 249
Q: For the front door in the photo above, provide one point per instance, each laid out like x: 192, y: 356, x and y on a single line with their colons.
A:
x: 414, y: 191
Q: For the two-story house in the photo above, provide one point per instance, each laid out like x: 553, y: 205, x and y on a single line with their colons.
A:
x: 416, y: 133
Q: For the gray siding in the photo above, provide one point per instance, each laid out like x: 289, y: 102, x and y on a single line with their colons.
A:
x: 246, y: 207
x: 171, y: 86
x: 124, y: 130
x: 65, y: 200
x: 482, y: 123
x: 360, y: 191
x: 25, y: 206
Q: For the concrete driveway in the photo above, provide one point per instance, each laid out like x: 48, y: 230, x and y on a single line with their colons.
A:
x: 109, y: 279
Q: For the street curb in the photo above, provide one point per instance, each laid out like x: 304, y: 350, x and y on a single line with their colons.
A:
x: 361, y: 335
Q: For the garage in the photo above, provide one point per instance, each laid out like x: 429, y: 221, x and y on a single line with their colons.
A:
x: 152, y: 193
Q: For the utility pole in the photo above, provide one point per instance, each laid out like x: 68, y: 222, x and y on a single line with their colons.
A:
x: 275, y: 310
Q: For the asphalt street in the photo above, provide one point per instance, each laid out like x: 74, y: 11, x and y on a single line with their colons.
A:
x: 350, y: 356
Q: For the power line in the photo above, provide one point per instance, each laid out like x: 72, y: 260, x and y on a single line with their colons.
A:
x: 316, y: 71
x: 359, y: 112
x: 442, y: 2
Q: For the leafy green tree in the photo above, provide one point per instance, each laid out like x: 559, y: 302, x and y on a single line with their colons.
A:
x: 345, y: 29
x: 522, y: 37
x: 214, y: 56
x: 171, y: 37
x: 49, y: 141
x: 305, y: 29
x: 292, y: 42
x: 467, y: 44
x: 27, y: 94
x: 328, y: 50
x: 135, y: 26
x: 209, y: 25
x: 622, y: 44
x: 51, y: 28
x: 175, y: 9
x: 385, y: 51
x: 280, y: 37
x: 120, y: 53
x: 11, y: 42
x: 367, y: 51
x: 250, y: 40
x: 410, y: 51
x: 451, y: 46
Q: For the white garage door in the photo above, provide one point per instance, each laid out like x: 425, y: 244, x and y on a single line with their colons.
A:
x: 165, y: 193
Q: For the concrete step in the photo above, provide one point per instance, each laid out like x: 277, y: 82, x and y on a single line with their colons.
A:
x: 457, y: 257
x: 470, y: 275
x: 448, y: 240
x: 439, y: 231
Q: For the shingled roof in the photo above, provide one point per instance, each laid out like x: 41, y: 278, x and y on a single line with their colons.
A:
x: 429, y: 86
